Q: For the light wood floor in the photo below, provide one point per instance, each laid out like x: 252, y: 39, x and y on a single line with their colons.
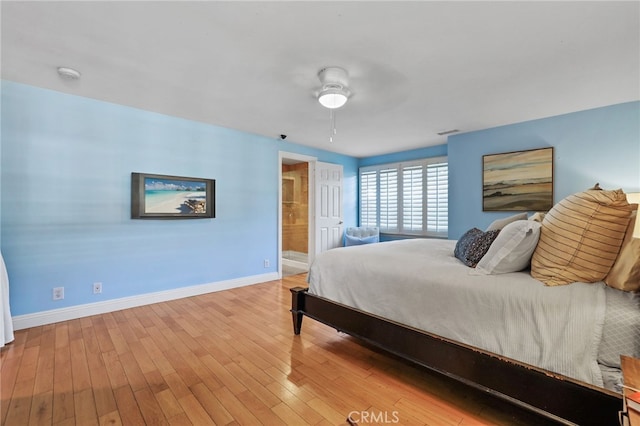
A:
x: 223, y: 358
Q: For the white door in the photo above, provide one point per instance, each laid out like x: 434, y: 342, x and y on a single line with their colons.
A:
x: 328, y: 208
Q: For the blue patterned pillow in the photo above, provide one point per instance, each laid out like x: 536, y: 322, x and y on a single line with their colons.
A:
x: 473, y: 245
x: 350, y: 240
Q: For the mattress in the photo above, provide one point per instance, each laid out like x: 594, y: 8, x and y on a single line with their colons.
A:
x: 420, y: 283
x: 620, y: 334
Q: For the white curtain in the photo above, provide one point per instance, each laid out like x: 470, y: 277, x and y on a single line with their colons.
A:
x: 6, y: 324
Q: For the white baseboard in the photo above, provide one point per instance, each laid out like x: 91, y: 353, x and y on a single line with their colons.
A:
x: 295, y: 263
x: 21, y: 322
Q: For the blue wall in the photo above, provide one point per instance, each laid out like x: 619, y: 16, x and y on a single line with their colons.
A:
x: 65, y: 190
x: 65, y: 199
x: 600, y: 145
x: 414, y: 154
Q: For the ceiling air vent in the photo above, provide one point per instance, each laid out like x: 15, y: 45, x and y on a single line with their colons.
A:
x: 448, y: 132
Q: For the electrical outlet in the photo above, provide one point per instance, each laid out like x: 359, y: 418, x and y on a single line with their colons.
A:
x: 267, y: 263
x: 97, y: 288
x: 58, y: 293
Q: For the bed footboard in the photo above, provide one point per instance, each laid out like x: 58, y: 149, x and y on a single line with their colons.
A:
x: 553, y: 396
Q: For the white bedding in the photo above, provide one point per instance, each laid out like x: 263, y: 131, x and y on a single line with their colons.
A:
x: 420, y: 283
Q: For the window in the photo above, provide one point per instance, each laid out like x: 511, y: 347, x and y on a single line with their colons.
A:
x: 406, y: 198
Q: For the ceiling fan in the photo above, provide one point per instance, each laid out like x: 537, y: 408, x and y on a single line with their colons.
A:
x: 334, y: 93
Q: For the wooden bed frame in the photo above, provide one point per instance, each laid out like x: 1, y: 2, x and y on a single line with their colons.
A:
x: 553, y: 396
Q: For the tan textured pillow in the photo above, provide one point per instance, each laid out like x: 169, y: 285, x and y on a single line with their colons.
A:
x: 581, y: 237
x: 625, y: 273
x: 498, y: 224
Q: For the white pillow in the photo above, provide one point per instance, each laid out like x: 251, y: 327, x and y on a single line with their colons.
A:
x: 501, y: 223
x: 512, y: 249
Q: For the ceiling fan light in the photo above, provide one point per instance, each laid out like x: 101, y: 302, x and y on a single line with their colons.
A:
x: 332, y: 98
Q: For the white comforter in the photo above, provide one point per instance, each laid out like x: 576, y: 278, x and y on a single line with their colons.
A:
x: 420, y: 283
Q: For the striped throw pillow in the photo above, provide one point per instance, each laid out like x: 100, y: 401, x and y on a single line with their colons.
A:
x: 581, y: 237
x: 625, y: 272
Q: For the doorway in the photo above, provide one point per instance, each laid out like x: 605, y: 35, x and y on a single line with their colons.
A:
x: 295, y: 218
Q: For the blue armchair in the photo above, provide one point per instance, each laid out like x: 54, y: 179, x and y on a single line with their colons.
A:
x: 358, y: 235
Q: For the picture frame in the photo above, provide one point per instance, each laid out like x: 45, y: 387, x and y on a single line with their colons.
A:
x: 518, y: 181
x: 155, y: 196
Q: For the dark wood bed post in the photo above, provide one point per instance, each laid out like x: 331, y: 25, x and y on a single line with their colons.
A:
x: 297, y: 307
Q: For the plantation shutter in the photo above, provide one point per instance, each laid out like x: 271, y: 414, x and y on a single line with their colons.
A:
x: 412, y: 199
x: 406, y: 198
x: 438, y: 198
x: 369, y: 198
x: 389, y: 199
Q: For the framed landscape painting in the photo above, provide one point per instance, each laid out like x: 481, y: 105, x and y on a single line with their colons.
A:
x: 518, y: 181
x: 171, y: 197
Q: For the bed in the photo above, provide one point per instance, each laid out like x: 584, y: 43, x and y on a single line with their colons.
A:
x: 553, y: 350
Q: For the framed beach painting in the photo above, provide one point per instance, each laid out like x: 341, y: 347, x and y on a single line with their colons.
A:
x: 518, y: 181
x: 171, y: 197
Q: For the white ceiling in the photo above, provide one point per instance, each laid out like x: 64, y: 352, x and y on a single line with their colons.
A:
x: 416, y: 68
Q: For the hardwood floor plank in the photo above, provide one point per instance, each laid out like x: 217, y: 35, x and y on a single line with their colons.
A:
x: 85, y: 407
x: 33, y: 337
x: 101, y: 328
x: 109, y: 322
x: 66, y: 422
x: 127, y: 406
x: 241, y: 413
x: 62, y: 335
x: 135, y: 378
x: 434, y: 414
x: 161, y: 362
x: 214, y: 408
x: 328, y: 412
x: 259, y: 408
x: 229, y: 358
x: 177, y: 386
x: 29, y: 362
x: 217, y: 346
x: 75, y: 329
x: 256, y: 373
x: 41, y: 409
x: 297, y: 405
x: 155, y: 381
x: 261, y: 392
x: 149, y: 407
x: 63, y: 406
x: 8, y: 375
x: 194, y: 411
x: 13, y: 350
x: 118, y: 340
x: 79, y: 366
x: 90, y: 339
x: 200, y: 369
x: 100, y: 383
x: 162, y: 337
x: 180, y: 420
x: 183, y: 369
x: 168, y: 403
x: 145, y: 363
x: 292, y: 382
x: 110, y: 419
x: 115, y: 371
x: 20, y: 405
x: 145, y: 316
x: 223, y: 375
